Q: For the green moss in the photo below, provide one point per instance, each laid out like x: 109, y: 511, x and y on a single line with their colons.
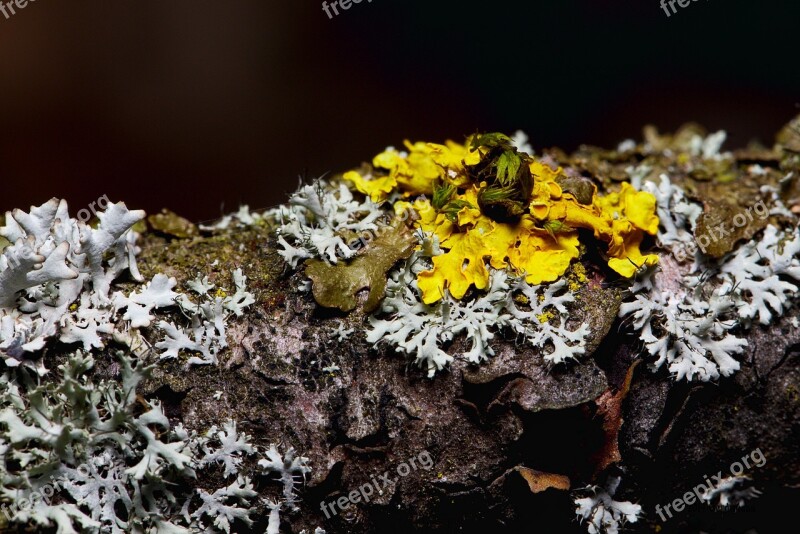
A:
x: 215, y: 255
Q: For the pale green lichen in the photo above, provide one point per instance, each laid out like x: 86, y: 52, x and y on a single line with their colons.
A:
x: 78, y: 452
x: 421, y: 330
x: 83, y: 453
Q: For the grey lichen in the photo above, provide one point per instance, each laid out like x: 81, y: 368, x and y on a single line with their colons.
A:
x: 79, y: 451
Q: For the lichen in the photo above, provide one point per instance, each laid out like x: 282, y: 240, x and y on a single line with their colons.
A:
x: 507, y: 247
x: 320, y: 222
x: 412, y: 326
x: 337, y: 286
x: 206, y: 335
x: 53, y: 261
x: 531, y: 228
x: 83, y: 453
x: 494, y: 224
x: 689, y: 317
x: 604, y: 515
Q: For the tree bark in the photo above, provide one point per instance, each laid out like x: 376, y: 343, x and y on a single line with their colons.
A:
x: 497, y: 434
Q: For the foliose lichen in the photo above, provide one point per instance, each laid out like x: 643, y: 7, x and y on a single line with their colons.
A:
x: 82, y: 452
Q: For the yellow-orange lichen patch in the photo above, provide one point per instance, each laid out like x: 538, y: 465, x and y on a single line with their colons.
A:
x: 540, y: 244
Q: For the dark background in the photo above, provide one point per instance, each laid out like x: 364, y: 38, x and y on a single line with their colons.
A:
x: 201, y: 105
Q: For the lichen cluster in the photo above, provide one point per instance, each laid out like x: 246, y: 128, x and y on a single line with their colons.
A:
x: 535, y: 314
x: 497, y: 230
x: 541, y: 210
x: 438, y: 251
x: 689, y: 313
x: 82, y: 452
x: 492, y: 225
x: 485, y: 213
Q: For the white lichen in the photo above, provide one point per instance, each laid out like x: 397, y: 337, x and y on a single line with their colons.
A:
x: 139, y: 306
x: 542, y: 321
x: 56, y: 279
x: 289, y: 467
x: 677, y: 215
x: 708, y: 147
x: 731, y: 492
x: 637, y: 174
x: 602, y: 513
x: 53, y: 259
x: 225, y: 505
x: 421, y: 331
x: 205, y: 335
x: 321, y: 221
x: 758, y: 272
x: 688, y: 317
x: 521, y: 142
x: 778, y: 207
x: 79, y: 454
x: 243, y: 218
x: 691, y: 335
x: 341, y: 333
x: 233, y: 447
x: 628, y: 145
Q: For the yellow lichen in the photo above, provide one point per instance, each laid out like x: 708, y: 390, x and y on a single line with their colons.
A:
x: 577, y: 277
x: 545, y: 317
x: 519, y: 298
x: 540, y: 244
x: 415, y: 171
x: 375, y: 188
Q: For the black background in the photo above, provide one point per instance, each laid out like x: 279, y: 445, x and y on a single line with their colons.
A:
x: 202, y: 105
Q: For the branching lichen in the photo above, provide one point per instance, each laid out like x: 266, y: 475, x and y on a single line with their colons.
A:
x: 420, y: 330
x: 604, y: 515
x: 82, y: 453
x: 321, y: 221
x: 690, y: 325
x: 52, y: 260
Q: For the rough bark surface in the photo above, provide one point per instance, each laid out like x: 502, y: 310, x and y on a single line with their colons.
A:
x: 485, y: 427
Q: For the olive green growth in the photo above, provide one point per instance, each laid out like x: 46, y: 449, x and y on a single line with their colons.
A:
x: 507, y: 175
x: 337, y: 286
